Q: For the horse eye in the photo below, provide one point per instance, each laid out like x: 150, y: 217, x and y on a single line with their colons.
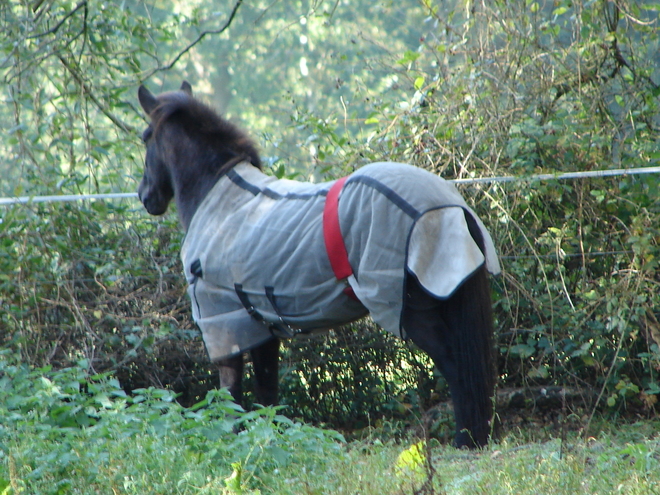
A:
x: 147, y: 134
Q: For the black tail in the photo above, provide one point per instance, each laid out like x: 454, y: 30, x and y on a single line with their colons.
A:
x: 468, y: 314
x: 458, y: 335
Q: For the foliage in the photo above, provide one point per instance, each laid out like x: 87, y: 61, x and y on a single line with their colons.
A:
x: 503, y: 88
x: 73, y: 289
x: 336, y: 384
x: 68, y: 432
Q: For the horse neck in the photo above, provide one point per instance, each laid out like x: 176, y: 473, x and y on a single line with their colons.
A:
x: 191, y: 189
x: 189, y: 198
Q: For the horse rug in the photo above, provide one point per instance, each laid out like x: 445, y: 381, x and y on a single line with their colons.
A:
x: 256, y: 262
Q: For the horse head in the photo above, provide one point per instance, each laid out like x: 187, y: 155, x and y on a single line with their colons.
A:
x: 156, y: 189
x: 189, y: 147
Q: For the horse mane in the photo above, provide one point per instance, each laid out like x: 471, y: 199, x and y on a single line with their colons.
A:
x: 224, y: 140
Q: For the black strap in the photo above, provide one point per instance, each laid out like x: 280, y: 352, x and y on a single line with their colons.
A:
x: 279, y: 329
x: 196, y: 268
x: 282, y: 326
x: 245, y: 301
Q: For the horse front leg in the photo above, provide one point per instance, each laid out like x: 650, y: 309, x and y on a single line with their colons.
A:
x: 265, y: 360
x: 231, y: 376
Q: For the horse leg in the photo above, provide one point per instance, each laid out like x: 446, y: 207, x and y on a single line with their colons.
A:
x: 231, y: 376
x: 265, y: 360
x: 457, y: 334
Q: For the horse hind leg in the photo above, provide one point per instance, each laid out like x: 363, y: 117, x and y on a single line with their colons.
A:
x: 457, y: 334
x: 231, y: 376
x: 265, y: 361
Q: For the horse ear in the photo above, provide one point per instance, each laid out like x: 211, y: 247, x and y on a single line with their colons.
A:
x: 147, y: 99
x: 186, y: 88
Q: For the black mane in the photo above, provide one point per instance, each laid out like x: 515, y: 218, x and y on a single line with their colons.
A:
x: 219, y: 137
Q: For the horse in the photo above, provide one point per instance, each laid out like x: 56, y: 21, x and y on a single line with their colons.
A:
x: 268, y: 259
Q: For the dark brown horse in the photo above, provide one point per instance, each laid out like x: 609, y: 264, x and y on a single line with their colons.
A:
x: 267, y: 259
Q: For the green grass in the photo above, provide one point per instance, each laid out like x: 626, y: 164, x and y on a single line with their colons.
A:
x: 68, y: 433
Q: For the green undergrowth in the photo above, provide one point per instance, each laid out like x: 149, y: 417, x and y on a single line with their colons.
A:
x: 66, y: 432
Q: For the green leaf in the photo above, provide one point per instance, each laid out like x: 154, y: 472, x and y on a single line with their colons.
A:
x: 280, y: 171
x: 5, y: 486
x: 408, y: 57
x: 234, y: 481
x: 412, y: 461
x: 523, y: 350
x: 540, y: 372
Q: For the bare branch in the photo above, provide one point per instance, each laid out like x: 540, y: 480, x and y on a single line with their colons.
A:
x: 55, y: 28
x: 197, y: 40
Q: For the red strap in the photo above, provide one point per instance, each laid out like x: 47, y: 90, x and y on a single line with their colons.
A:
x: 334, y: 242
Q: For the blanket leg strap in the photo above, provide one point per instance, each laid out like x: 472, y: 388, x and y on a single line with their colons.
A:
x: 279, y: 329
x: 334, y: 242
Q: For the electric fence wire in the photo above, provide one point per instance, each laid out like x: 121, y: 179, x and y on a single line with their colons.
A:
x: 463, y: 181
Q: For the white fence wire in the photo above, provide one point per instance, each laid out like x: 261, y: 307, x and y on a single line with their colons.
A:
x: 478, y: 180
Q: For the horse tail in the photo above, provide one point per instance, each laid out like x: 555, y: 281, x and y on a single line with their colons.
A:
x: 469, y: 315
x: 471, y: 323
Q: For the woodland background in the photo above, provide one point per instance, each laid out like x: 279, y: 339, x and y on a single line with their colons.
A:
x: 462, y: 88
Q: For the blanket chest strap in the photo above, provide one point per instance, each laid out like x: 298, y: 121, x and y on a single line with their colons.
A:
x: 334, y: 241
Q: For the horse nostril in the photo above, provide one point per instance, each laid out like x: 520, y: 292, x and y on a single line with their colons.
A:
x: 141, y: 191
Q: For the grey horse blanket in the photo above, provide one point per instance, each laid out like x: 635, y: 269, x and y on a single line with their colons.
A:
x: 256, y: 262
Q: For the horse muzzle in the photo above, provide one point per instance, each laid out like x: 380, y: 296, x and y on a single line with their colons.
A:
x: 153, y: 203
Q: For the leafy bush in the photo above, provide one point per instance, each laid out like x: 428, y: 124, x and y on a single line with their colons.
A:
x: 67, y: 431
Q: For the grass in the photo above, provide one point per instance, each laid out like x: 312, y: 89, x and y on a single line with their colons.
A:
x: 611, y: 463
x: 67, y: 433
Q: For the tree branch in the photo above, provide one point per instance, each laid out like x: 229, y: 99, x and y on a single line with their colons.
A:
x: 55, y: 28
x: 114, y: 119
x: 197, y: 40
